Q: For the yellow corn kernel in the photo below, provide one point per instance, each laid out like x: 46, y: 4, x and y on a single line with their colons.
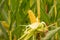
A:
x: 32, y: 16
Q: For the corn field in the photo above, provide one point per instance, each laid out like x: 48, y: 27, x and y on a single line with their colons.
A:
x: 29, y: 19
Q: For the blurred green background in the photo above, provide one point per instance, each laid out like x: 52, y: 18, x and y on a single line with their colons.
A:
x: 14, y: 12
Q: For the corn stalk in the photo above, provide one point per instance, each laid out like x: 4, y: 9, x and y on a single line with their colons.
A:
x: 9, y: 20
x: 55, y: 10
x: 38, y: 9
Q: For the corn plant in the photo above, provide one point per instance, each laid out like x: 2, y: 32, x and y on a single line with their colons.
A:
x: 29, y: 19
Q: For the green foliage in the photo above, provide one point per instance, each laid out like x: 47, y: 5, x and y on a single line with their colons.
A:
x: 50, y: 34
x: 19, y: 18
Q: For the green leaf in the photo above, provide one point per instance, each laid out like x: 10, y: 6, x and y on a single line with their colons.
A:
x: 50, y: 34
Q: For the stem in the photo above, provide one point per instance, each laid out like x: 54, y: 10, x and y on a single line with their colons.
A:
x: 56, y: 35
x: 55, y: 9
x: 10, y: 34
x: 38, y: 9
x: 9, y: 20
x: 34, y: 36
x: 9, y: 11
x: 51, y: 25
x: 46, y: 8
